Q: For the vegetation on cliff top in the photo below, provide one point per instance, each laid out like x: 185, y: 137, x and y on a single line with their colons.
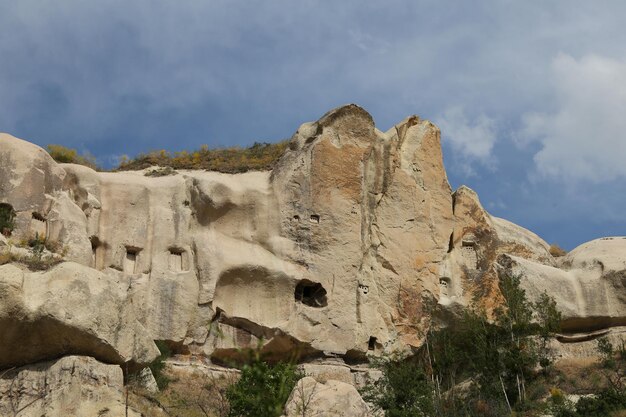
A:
x: 66, y: 155
x: 258, y: 157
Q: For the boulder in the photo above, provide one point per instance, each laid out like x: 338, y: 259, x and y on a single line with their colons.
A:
x: 77, y: 386
x: 29, y: 174
x: 330, y: 399
x: 145, y: 379
x: 69, y: 309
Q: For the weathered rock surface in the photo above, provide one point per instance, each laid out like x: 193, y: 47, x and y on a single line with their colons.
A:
x: 75, y: 386
x: 331, y: 399
x: 590, y: 289
x: 346, y: 249
x: 70, y: 309
x: 336, y: 252
x: 469, y: 270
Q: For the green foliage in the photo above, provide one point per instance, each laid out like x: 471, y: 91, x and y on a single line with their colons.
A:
x: 496, y: 359
x: 260, y: 157
x: 602, y: 405
x: 403, y: 391
x: 500, y: 356
x: 559, y: 405
x: 157, y: 365
x: 611, y: 399
x: 7, y: 219
x: 262, y: 389
x: 37, y: 246
x: 548, y: 322
x: 70, y: 156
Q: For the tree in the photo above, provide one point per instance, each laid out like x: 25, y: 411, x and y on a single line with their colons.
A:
x: 262, y: 390
x: 498, y: 357
x: 403, y: 390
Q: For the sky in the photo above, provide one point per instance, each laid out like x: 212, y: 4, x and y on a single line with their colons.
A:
x: 530, y: 95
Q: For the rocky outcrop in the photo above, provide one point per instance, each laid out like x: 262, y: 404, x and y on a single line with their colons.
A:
x: 75, y: 386
x: 469, y: 270
x: 347, y: 249
x: 70, y: 309
x: 336, y: 252
x: 589, y: 288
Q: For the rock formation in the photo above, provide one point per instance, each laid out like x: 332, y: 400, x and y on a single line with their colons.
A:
x: 77, y: 386
x: 346, y: 249
x: 331, y: 398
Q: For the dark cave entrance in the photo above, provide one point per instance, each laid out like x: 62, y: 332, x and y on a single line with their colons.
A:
x: 311, y: 294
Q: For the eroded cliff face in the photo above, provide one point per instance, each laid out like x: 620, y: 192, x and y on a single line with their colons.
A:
x: 346, y: 249
x: 336, y: 252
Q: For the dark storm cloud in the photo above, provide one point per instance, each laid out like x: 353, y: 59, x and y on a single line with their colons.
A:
x: 530, y: 95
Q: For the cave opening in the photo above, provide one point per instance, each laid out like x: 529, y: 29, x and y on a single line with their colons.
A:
x: 371, y: 344
x: 177, y: 260
x: 96, y: 249
x: 130, y: 260
x: 311, y: 294
x: 38, y: 216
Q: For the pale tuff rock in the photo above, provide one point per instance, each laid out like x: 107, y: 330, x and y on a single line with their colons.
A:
x: 76, y: 386
x: 358, y: 203
x: 325, y: 255
x: 590, y: 290
x: 70, y: 309
x: 469, y: 270
x: 331, y: 399
x: 29, y: 178
x: 145, y: 379
x: 343, y: 251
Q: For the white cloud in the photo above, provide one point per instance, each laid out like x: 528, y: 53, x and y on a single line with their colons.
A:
x: 585, y: 137
x: 473, y: 138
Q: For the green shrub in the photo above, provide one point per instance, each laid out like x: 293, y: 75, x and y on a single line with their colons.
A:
x: 495, y: 361
x: 70, y: 156
x: 262, y: 390
x: 403, y: 391
x: 37, y: 245
x: 7, y: 219
x: 157, y: 365
x: 602, y: 405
